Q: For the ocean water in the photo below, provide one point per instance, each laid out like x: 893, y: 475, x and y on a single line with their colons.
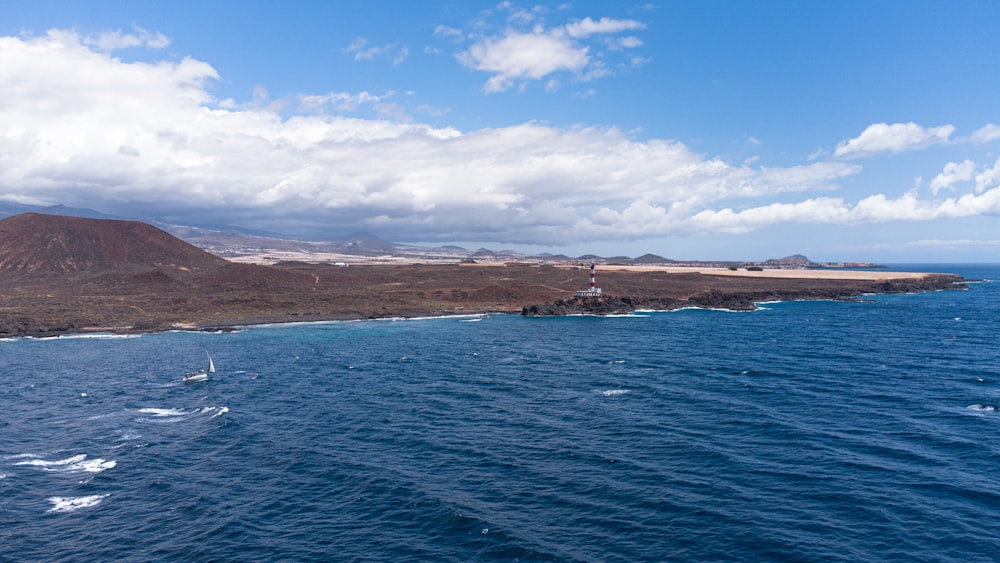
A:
x: 806, y: 431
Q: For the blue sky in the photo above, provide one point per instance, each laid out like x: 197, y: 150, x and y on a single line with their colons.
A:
x: 695, y: 130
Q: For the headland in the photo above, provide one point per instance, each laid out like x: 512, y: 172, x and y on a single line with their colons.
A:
x: 64, y: 275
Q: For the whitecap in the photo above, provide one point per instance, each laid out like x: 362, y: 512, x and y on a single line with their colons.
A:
x: 983, y: 408
x: 69, y: 504
x: 37, y: 462
x: 614, y: 392
x: 73, y: 464
x: 162, y: 412
x: 216, y: 411
x: 627, y: 316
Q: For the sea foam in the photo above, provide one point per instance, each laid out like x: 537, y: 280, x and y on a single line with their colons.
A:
x: 69, y: 504
x: 73, y: 464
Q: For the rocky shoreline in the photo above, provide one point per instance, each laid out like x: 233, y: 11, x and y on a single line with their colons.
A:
x: 737, y: 300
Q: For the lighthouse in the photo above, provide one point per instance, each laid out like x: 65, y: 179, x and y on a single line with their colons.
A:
x: 593, y: 291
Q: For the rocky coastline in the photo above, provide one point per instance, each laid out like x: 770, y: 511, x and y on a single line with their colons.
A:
x: 70, y: 275
x: 737, y: 300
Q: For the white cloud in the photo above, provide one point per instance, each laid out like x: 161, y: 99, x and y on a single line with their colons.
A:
x: 630, y: 42
x: 895, y: 138
x: 114, y: 40
x: 587, y: 27
x: 873, y: 209
x: 448, y: 32
x: 523, y: 55
x: 953, y: 173
x: 989, y: 132
x: 988, y: 178
x: 364, y: 52
x: 515, y: 56
x: 83, y: 128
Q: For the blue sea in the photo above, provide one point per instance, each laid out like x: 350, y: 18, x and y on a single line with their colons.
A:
x: 804, y: 431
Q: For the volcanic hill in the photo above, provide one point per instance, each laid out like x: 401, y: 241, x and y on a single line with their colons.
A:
x: 38, y: 244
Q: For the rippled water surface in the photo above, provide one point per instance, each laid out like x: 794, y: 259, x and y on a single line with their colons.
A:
x: 803, y: 431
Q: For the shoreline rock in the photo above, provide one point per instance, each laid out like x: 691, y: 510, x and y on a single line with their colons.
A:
x: 737, y: 300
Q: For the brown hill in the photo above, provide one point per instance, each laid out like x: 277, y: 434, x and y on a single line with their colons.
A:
x: 36, y: 244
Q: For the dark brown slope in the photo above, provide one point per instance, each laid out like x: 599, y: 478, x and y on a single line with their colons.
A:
x: 42, y: 245
x: 69, y: 274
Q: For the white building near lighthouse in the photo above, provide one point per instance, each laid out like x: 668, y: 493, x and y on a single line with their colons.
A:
x: 594, y: 291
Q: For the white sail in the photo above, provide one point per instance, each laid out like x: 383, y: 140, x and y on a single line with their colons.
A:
x: 211, y: 366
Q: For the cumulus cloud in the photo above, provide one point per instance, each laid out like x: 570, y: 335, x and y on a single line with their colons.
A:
x: 987, y: 133
x: 894, y: 138
x: 515, y: 56
x: 83, y: 128
x: 953, y: 173
x: 523, y: 55
x: 873, y: 209
x: 988, y: 178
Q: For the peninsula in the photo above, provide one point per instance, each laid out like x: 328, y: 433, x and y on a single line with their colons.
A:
x: 62, y: 275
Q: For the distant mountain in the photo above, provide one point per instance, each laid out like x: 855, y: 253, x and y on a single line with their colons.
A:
x: 364, y: 243
x: 33, y: 243
x: 618, y: 260
x: 651, y: 259
x: 793, y: 260
x: 10, y: 209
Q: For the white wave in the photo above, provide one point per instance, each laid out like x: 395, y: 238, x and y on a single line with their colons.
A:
x: 296, y: 324
x: 983, y: 408
x: 694, y: 308
x: 216, y: 411
x: 73, y: 464
x: 101, y: 335
x: 614, y: 392
x: 3, y: 476
x: 69, y: 337
x: 69, y: 504
x: 162, y: 412
x: 37, y: 462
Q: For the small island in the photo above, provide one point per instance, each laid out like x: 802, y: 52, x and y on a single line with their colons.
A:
x: 63, y: 275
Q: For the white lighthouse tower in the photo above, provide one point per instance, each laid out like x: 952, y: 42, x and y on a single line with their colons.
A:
x: 594, y: 291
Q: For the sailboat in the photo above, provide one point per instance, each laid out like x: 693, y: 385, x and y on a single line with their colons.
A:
x: 201, y: 374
